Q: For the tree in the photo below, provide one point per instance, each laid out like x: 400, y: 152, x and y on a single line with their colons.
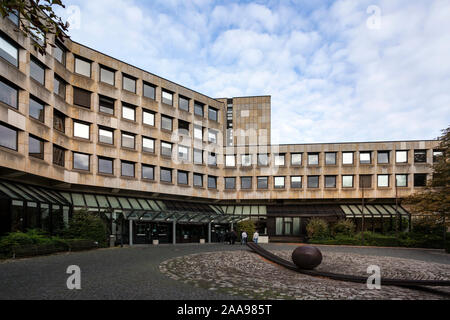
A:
x: 434, y: 201
x: 37, y: 20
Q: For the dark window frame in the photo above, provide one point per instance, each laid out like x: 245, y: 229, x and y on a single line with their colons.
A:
x: 83, y: 154
x: 76, y: 57
x: 80, y: 98
x: 111, y: 160
x: 148, y: 167
x: 309, y: 182
x: 122, y: 133
x: 102, y: 67
x: 41, y: 154
x: 39, y: 65
x: 10, y: 85
x: 16, y: 137
x: 108, y: 130
x: 62, y: 156
x: 147, y: 84
x: 122, y: 163
x: 128, y: 77
x: 41, y: 117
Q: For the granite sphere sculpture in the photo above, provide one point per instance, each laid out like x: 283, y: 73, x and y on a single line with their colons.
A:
x: 307, y: 257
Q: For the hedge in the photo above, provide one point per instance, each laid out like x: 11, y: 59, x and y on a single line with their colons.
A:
x: 409, y: 240
x: 35, y: 243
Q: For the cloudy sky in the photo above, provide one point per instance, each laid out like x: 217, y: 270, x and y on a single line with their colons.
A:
x: 337, y: 71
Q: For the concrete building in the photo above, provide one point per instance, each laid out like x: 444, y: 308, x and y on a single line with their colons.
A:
x: 82, y: 130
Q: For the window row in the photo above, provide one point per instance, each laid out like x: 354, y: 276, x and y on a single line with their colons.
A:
x: 313, y: 182
x: 330, y: 158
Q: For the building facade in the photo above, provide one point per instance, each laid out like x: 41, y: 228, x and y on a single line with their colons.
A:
x: 82, y: 130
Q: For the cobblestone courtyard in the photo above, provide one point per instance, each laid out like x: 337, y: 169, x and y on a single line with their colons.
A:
x: 209, y: 272
x: 246, y: 274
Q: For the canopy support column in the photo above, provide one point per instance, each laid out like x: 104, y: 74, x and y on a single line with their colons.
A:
x: 174, y: 232
x: 209, y: 232
x: 131, y: 232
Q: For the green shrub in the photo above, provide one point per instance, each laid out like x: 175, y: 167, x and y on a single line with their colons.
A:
x: 317, y: 229
x: 247, y: 226
x: 344, y: 227
x: 428, y: 226
x: 87, y: 225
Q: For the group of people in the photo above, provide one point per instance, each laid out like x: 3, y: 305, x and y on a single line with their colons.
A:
x: 231, y: 237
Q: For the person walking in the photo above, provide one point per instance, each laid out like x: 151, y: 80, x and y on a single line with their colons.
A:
x: 256, y: 237
x: 244, y: 237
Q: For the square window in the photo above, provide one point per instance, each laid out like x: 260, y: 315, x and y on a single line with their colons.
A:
x: 107, y: 75
x: 263, y: 160
x: 167, y: 97
x: 148, y: 172
x: 129, y: 83
x: 37, y: 71
x: 280, y: 160
x: 183, y: 103
x: 420, y: 180
x: 246, y: 160
x: 59, y: 87
x: 198, y: 180
x: 279, y: 182
x: 106, y: 136
x: 81, y: 98
x: 383, y: 157
x: 246, y: 183
x: 81, y: 130
x: 198, y: 132
x: 198, y: 156
x: 296, y: 159
x: 148, y: 145
x: 365, y: 157
x: 8, y: 137
x: 166, y: 175
x: 127, y: 169
x: 313, y: 182
x: 330, y: 181
x: 128, y: 140
x: 347, y: 158
x: 37, y: 110
x: 313, y: 159
x: 36, y: 148
x: 82, y: 67
x: 166, y: 149
x: 105, y: 165
x: 401, y: 156
x: 401, y: 180
x: 128, y: 112
x: 213, y: 114
x: 330, y: 158
x: 383, y: 180
x: 347, y: 181
x: 230, y: 183
x: 230, y: 160
x: 59, y: 121
x: 59, y: 156
x: 59, y: 53
x: 166, y: 123
x: 263, y: 182
x: 212, y: 136
x: 183, y: 127
x: 365, y: 181
x: 183, y: 177
x: 420, y: 156
x: 183, y: 153
x: 106, y: 105
x: 148, y: 118
x: 199, y: 109
x: 8, y: 94
x: 9, y: 51
x: 149, y: 91
x: 81, y: 161
x: 212, y: 182
x: 212, y: 159
x: 296, y: 182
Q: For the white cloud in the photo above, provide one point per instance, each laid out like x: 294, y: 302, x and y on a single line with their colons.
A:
x: 331, y: 78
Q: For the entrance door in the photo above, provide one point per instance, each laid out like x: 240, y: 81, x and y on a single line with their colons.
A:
x: 190, y: 233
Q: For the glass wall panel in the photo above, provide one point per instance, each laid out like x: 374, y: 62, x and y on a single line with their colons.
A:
x: 8, y: 51
x: 8, y: 94
x: 279, y: 226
